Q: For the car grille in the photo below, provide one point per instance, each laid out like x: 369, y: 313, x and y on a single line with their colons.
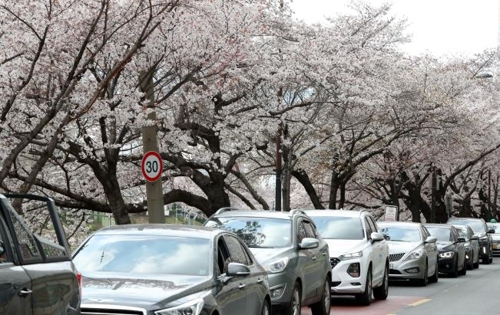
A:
x: 396, y: 257
x: 96, y: 310
x: 334, y: 261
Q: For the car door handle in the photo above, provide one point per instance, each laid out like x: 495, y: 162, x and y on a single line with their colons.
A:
x: 323, y: 253
x: 259, y: 280
x: 241, y: 286
x: 25, y: 292
x: 313, y: 257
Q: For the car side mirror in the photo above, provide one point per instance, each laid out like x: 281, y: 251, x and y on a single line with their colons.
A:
x: 474, y: 238
x: 491, y: 231
x: 237, y: 270
x: 461, y: 240
x: 2, y: 249
x: 308, y: 243
x: 377, y: 237
x: 431, y: 239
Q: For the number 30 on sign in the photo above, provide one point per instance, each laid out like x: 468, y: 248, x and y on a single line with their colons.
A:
x: 152, y: 166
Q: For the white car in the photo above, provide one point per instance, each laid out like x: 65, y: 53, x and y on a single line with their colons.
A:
x: 359, y: 254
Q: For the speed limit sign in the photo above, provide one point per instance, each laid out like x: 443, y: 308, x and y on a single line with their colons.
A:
x: 152, y: 166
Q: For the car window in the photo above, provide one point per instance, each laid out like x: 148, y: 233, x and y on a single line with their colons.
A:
x: 3, y: 244
x: 145, y: 254
x: 462, y: 232
x: 401, y: 233
x: 257, y: 232
x: 369, y: 229
x: 372, y: 224
x: 335, y: 227
x: 442, y: 234
x: 495, y: 227
x: 309, y: 228
x: 237, y: 252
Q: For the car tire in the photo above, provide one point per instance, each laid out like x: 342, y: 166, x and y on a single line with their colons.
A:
x: 365, y: 298
x: 381, y: 292
x: 435, y: 277
x: 323, y: 306
x: 294, y: 306
x: 463, y: 271
x: 454, y: 273
x: 424, y: 281
x: 266, y: 308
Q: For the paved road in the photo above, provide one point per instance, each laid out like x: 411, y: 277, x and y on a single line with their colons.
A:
x: 478, y: 292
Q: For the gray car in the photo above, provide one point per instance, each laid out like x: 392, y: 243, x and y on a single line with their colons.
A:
x: 288, y: 245
x: 471, y: 245
x: 482, y: 231
x: 161, y: 269
x: 413, y: 254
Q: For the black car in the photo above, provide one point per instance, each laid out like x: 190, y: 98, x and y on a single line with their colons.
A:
x: 451, y: 246
x: 36, y: 274
x: 291, y: 249
x: 161, y: 269
x: 482, y: 231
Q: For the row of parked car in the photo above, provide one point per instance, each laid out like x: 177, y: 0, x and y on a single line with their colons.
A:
x: 240, y: 262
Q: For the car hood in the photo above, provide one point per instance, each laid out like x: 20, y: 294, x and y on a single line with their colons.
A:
x: 445, y: 246
x: 339, y: 247
x: 402, y: 247
x: 264, y: 255
x: 140, y: 292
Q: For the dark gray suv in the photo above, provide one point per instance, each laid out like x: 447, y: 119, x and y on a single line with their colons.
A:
x: 482, y: 231
x: 295, y: 256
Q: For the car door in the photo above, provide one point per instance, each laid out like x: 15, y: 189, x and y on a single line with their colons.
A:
x: 310, y: 262
x: 251, y: 286
x: 460, y: 247
x: 378, y: 252
x: 230, y: 298
x: 13, y: 279
x: 431, y: 249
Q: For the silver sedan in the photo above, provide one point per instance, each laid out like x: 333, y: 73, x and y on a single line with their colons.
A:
x: 413, y: 254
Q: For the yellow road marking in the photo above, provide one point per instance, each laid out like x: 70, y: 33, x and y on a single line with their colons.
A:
x: 422, y: 301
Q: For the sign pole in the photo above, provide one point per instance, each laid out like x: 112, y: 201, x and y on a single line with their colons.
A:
x: 154, y: 189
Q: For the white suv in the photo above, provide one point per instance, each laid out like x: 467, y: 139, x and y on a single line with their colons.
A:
x: 359, y: 254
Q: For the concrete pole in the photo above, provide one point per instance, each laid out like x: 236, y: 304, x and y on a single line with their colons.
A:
x: 154, y: 190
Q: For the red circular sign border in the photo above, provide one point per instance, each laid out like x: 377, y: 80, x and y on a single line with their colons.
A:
x: 146, y: 155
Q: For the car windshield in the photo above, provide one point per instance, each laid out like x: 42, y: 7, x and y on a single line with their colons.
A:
x: 257, y: 231
x: 476, y: 225
x: 442, y: 234
x: 342, y: 228
x: 144, y: 254
x: 401, y: 233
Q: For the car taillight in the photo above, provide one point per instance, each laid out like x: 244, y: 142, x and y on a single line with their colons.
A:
x: 79, y: 278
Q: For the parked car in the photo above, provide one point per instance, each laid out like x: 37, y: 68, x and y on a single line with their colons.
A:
x: 495, y: 238
x: 480, y: 229
x: 161, y: 269
x: 288, y: 245
x: 359, y: 254
x: 471, y: 245
x: 36, y: 274
x: 451, y: 248
x: 413, y: 253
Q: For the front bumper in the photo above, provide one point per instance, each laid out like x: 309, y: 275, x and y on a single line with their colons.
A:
x: 281, y: 286
x: 342, y: 282
x: 407, y: 269
x: 496, y: 248
x: 447, y: 265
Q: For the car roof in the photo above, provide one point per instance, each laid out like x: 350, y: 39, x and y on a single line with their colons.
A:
x: 336, y: 213
x: 399, y: 223
x: 439, y: 225
x: 255, y: 213
x: 162, y: 229
x: 453, y: 219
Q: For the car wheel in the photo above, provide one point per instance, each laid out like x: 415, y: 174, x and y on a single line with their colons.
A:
x: 323, y: 307
x: 435, y: 277
x: 382, y: 292
x: 295, y: 302
x: 365, y: 298
x: 266, y: 309
x: 425, y: 280
x: 454, y: 273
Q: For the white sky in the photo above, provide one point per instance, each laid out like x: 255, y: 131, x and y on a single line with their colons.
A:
x: 439, y: 27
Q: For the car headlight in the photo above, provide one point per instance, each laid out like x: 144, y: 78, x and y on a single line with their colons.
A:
x: 190, y: 308
x: 348, y: 256
x: 415, y: 254
x: 277, y: 266
x: 447, y: 254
